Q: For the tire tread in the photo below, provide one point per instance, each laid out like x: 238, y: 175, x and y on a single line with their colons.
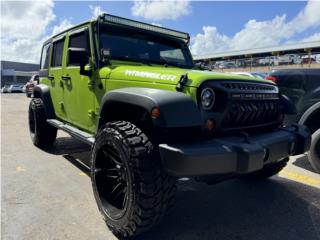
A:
x: 154, y: 188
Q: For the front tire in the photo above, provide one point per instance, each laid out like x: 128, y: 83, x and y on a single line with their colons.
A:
x: 42, y: 134
x: 267, y: 171
x: 132, y: 190
x: 314, y: 152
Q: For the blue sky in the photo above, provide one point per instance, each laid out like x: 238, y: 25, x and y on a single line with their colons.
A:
x: 214, y: 26
x: 228, y: 16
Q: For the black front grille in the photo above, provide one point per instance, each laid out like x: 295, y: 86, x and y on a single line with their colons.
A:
x: 247, y: 113
x: 247, y: 105
x: 248, y: 86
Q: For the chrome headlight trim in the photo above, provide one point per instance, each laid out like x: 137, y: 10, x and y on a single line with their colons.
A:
x: 207, y: 98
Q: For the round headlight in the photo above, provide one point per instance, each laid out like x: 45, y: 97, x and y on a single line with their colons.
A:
x: 207, y: 98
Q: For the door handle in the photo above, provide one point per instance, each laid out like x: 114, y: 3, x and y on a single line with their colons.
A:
x: 51, y: 78
x: 66, y: 78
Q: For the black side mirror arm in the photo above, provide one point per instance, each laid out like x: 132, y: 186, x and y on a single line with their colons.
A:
x: 85, y: 72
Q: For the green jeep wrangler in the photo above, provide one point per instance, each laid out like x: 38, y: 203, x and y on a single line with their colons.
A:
x: 131, y: 91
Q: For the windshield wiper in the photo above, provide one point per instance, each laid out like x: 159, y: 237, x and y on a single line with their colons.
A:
x: 133, y: 60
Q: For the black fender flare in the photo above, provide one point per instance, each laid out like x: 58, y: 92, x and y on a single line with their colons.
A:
x: 288, y: 106
x: 310, y: 111
x: 42, y: 91
x: 176, y: 109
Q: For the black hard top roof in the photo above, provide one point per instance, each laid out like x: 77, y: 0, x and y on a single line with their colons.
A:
x: 103, y: 19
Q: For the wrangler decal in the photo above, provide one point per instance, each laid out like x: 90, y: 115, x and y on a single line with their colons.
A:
x: 150, y: 75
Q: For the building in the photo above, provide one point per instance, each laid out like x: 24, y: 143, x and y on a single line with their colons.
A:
x: 16, y: 72
x: 304, y: 54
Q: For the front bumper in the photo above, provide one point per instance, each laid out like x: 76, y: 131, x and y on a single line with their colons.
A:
x: 234, y: 155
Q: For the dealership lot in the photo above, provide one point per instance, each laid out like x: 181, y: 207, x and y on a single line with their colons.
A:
x: 47, y: 195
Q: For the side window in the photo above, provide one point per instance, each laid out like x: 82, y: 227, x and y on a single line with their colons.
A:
x: 57, y: 53
x: 44, y: 64
x: 78, y: 40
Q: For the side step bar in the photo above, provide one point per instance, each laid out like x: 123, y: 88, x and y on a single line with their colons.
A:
x: 74, y: 132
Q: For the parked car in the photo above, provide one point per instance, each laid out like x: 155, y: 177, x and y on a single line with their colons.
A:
x: 15, y: 88
x: 269, y: 61
x: 30, y: 85
x: 225, y: 65
x: 289, y: 59
x: 307, y: 60
x: 302, y: 87
x: 5, y: 89
x: 260, y: 75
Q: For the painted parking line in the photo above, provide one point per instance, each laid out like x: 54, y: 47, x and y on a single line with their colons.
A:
x: 297, y: 177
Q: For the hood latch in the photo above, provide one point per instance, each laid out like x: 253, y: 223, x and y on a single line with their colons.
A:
x: 182, y: 82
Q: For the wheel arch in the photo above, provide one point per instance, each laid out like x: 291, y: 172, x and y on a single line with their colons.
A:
x: 42, y: 91
x: 176, y: 109
x: 311, y: 117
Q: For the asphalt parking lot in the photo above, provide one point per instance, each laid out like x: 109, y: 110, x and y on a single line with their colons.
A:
x: 47, y: 195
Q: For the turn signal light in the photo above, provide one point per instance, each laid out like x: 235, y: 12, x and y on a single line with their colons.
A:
x: 271, y: 78
x: 209, y: 125
x: 155, y: 112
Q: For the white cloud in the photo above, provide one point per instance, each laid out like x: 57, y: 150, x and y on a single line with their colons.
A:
x: 313, y: 37
x: 161, y: 9
x: 64, y: 24
x: 21, y: 19
x: 96, y: 11
x: 257, y: 34
x: 24, y: 28
x: 210, y: 41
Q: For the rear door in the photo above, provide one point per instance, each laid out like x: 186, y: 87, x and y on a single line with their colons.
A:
x: 78, y: 95
x: 54, y: 76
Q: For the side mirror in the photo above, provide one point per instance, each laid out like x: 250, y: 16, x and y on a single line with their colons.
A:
x: 37, y: 79
x: 105, y: 55
x: 79, y: 57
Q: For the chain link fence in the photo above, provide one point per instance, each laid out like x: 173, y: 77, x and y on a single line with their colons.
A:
x: 263, y: 64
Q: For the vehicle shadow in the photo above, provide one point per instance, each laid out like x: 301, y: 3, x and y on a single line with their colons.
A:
x: 67, y: 145
x: 240, y: 210
x: 232, y: 210
x: 303, y: 162
x: 73, y: 150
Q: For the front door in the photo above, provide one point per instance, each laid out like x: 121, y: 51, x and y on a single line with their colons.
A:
x: 78, y: 96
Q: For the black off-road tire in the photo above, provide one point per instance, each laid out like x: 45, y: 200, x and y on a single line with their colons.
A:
x: 314, y: 152
x: 28, y: 95
x: 42, y: 134
x: 148, y: 191
x: 268, y: 171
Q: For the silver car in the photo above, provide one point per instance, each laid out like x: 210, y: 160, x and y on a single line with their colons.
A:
x: 15, y: 88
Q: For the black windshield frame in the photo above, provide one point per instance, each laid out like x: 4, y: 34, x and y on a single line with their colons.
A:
x: 141, y: 37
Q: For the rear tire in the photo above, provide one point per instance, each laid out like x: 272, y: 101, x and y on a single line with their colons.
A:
x: 132, y: 190
x: 42, y: 134
x: 314, y: 152
x: 268, y: 171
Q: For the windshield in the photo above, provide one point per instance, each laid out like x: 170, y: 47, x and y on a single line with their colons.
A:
x: 143, y: 47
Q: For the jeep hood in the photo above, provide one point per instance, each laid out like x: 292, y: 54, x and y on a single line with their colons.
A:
x: 168, y: 75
